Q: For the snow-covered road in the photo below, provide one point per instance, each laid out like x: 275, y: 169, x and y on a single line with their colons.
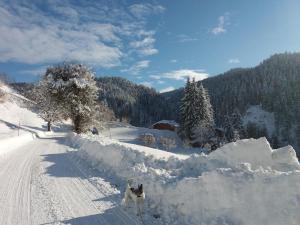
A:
x: 45, y: 183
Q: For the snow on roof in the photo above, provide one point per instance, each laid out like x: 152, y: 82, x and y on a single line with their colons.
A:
x: 170, y: 122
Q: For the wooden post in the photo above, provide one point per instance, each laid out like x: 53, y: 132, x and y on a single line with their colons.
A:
x: 19, y: 129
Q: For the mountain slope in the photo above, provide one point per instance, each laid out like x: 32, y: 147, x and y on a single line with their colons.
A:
x: 137, y: 104
x: 274, y: 84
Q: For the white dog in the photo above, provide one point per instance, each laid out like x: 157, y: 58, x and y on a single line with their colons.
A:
x: 136, y: 195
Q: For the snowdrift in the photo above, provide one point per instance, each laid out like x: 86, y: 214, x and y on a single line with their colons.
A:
x: 245, y: 182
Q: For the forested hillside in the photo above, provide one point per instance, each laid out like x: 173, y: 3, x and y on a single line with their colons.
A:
x: 274, y: 84
x: 136, y: 104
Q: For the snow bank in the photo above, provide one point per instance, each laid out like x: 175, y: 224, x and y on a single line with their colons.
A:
x: 258, y: 153
x: 241, y: 183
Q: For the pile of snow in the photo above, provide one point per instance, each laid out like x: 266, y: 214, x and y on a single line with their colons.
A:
x: 255, y: 114
x: 245, y: 182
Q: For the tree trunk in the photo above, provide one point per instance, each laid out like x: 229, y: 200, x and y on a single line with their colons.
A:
x: 77, y: 124
x: 49, y: 126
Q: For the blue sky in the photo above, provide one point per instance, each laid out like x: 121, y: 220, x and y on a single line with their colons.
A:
x: 155, y: 43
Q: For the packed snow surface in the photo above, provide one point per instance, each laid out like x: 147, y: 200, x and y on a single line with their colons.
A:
x: 245, y: 182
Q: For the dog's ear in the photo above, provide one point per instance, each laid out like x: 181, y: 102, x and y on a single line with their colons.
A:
x: 141, y: 187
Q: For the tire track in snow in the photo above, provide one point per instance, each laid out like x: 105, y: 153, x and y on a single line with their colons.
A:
x: 15, y: 187
x: 71, y: 190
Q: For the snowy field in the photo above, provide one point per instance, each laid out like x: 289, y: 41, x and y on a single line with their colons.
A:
x: 51, y: 178
x: 124, y: 132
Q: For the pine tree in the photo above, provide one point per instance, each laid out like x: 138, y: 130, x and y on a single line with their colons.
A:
x: 184, y: 110
x: 196, y: 114
x: 274, y: 142
x: 188, y: 110
x: 205, y: 109
x: 233, y: 127
x: 204, y: 121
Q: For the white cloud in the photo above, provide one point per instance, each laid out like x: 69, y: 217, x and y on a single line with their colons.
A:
x: 234, y: 61
x: 185, y: 38
x: 156, y: 77
x: 173, y: 60
x: 167, y: 89
x: 223, y: 21
x: 147, y: 84
x: 183, y: 74
x: 99, y: 36
x: 145, y: 46
x: 138, y: 67
x: 146, y: 9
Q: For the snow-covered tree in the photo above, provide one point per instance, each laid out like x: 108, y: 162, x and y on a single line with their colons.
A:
x: 233, y: 127
x: 196, y: 123
x: 47, y: 102
x: 76, y: 89
x: 203, y: 129
x: 188, y: 110
x: 274, y: 142
x: 206, y: 113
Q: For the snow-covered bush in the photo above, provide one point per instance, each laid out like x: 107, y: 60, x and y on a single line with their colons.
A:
x: 147, y: 139
x: 167, y: 142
